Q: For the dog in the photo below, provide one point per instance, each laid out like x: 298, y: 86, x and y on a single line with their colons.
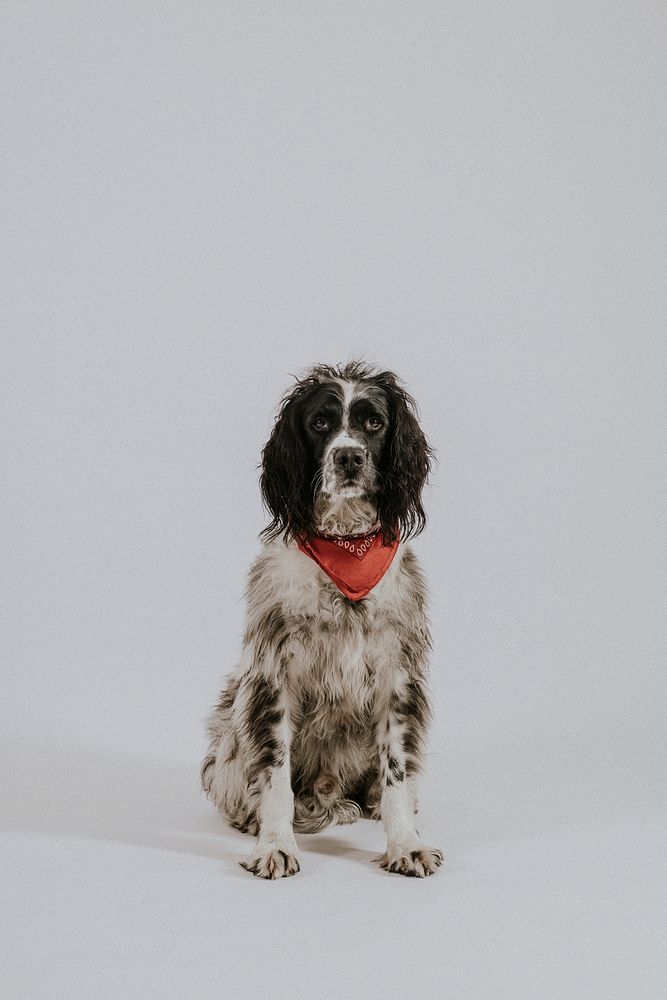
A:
x: 324, y: 719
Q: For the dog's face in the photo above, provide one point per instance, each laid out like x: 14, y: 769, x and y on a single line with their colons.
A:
x: 346, y: 425
x: 344, y: 436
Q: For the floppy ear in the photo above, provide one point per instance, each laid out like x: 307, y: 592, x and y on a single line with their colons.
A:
x: 286, y: 479
x: 407, y: 463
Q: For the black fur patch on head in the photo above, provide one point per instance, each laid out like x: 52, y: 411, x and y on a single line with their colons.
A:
x: 405, y: 466
x: 289, y: 462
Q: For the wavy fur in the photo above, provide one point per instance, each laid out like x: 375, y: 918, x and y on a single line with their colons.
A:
x: 325, y: 717
x: 290, y: 483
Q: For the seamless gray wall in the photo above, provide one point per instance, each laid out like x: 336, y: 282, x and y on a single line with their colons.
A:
x: 203, y: 198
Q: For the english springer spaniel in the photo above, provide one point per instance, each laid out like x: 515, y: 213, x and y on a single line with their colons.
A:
x: 325, y: 717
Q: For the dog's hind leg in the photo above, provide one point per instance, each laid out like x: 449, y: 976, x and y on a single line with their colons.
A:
x: 223, y: 768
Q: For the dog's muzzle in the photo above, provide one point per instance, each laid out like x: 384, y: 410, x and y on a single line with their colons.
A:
x: 349, y: 462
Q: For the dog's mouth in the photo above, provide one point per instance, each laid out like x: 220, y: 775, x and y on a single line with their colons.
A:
x: 355, y: 480
x: 347, y: 489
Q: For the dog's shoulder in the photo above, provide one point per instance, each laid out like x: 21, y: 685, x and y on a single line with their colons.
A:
x: 405, y: 580
x: 282, y: 574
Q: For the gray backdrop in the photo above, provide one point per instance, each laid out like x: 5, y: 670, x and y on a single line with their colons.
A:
x: 202, y: 198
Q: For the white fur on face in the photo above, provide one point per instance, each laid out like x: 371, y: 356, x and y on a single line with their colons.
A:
x: 345, y: 438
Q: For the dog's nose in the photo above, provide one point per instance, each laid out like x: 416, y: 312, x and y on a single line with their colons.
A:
x: 349, y: 459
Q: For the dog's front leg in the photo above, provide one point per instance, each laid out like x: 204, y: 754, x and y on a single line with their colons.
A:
x: 269, y: 733
x: 406, y: 854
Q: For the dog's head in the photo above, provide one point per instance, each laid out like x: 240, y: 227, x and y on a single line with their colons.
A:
x: 346, y: 453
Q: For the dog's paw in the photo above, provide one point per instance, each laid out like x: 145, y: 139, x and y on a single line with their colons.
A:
x: 416, y: 864
x: 273, y: 864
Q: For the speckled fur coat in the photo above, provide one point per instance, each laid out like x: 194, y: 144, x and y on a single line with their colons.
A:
x: 324, y: 718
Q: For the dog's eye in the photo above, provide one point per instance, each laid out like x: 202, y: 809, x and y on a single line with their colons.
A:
x: 373, y: 423
x: 320, y: 424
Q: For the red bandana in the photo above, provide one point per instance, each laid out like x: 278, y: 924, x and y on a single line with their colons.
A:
x: 354, y: 564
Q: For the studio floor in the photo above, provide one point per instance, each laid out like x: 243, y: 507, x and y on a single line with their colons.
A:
x: 120, y: 881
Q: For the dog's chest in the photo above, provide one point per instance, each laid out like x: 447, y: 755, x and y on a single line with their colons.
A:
x: 343, y: 651
x: 339, y: 662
